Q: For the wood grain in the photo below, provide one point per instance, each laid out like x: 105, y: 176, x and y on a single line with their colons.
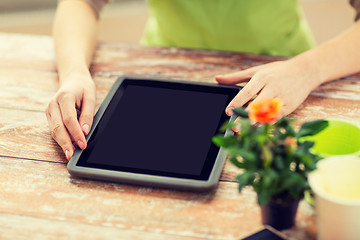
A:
x: 21, y: 227
x: 326, y: 108
x: 25, y: 134
x: 44, y: 190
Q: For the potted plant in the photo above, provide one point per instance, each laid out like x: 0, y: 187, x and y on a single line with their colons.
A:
x: 274, y: 156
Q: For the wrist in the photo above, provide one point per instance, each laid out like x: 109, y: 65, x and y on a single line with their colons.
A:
x: 76, y: 74
x: 310, y: 67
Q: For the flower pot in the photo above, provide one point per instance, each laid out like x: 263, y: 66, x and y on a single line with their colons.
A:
x: 279, y: 214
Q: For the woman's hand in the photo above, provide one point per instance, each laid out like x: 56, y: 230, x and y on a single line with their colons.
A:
x: 291, y: 81
x: 76, y: 94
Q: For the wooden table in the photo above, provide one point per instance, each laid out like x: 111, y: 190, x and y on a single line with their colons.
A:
x: 39, y: 199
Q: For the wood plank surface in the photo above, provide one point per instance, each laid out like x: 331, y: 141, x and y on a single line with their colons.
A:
x: 44, y: 190
x: 39, y: 199
x: 25, y: 134
x: 21, y: 227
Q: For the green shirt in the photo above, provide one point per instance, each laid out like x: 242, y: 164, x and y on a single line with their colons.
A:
x: 272, y: 27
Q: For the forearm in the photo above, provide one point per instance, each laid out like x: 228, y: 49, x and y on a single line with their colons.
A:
x: 74, y: 33
x: 336, y: 58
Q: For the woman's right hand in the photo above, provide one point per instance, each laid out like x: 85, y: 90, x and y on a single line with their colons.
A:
x: 76, y: 95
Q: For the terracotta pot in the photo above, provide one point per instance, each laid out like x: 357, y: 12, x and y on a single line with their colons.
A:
x: 279, y: 214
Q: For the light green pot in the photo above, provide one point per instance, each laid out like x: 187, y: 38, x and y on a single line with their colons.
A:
x: 339, y: 138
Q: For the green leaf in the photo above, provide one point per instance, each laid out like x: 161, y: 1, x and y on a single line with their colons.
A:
x: 228, y: 125
x: 261, y: 138
x: 247, y: 128
x: 312, y: 128
x: 224, y: 141
x: 309, y: 162
x: 250, y: 156
x: 236, y: 162
x: 218, y: 140
x: 262, y: 129
x: 293, y: 179
x: 269, y: 177
x: 283, y: 122
x: 306, y: 145
x: 245, y: 179
x: 279, y: 163
x: 266, y: 156
x: 296, y: 184
x: 263, y: 197
x: 241, y: 112
x: 290, y: 131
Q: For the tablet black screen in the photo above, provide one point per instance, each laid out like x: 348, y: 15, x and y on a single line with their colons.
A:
x: 158, y: 128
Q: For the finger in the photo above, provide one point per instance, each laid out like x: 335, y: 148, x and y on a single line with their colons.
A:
x: 263, y: 94
x: 253, y: 87
x: 289, y: 106
x: 58, y: 131
x: 69, y: 118
x: 237, y: 77
x: 237, y: 127
x: 87, y: 112
x: 267, y: 93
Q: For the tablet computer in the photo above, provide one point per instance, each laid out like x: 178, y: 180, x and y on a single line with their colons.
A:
x: 157, y: 132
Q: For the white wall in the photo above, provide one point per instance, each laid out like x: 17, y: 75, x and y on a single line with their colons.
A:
x: 328, y: 18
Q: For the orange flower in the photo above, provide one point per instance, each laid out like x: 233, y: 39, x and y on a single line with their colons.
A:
x: 265, y: 110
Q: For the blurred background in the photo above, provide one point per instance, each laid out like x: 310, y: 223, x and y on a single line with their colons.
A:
x: 124, y: 20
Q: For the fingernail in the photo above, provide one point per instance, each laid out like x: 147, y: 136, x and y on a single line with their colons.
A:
x: 67, y: 154
x: 229, y: 111
x: 219, y: 77
x: 81, y: 144
x: 86, y: 128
